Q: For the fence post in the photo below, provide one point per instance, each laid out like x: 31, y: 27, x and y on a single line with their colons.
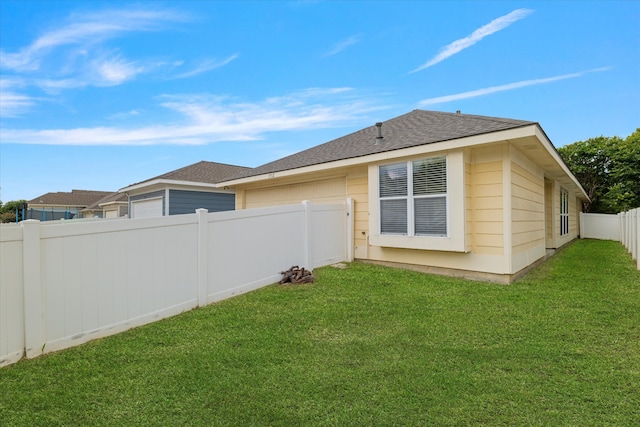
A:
x: 203, y: 258
x: 638, y: 237
x: 308, y: 258
x: 629, y: 220
x: 350, y: 226
x: 33, y: 322
x: 635, y: 245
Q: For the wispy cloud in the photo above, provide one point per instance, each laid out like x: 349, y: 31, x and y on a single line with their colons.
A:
x: 77, y: 54
x: 506, y: 87
x: 12, y: 102
x: 482, y: 32
x: 207, y: 65
x: 55, y: 86
x: 110, y: 71
x: 343, y: 44
x: 124, y: 115
x: 87, y: 30
x: 207, y: 119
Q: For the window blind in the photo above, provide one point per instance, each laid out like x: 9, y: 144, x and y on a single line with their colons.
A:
x: 413, y: 197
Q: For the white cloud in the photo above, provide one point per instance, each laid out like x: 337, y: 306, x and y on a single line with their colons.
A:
x: 75, y: 54
x: 124, y: 115
x: 12, y: 102
x: 482, y: 32
x: 506, y: 87
x: 204, y: 66
x: 343, y: 44
x: 207, y: 119
x: 87, y: 30
x: 55, y: 86
x: 114, y: 71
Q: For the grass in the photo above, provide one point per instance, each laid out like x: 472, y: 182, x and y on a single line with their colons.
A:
x: 367, y: 345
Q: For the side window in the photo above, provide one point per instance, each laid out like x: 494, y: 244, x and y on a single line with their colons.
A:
x: 413, y: 198
x: 564, y: 212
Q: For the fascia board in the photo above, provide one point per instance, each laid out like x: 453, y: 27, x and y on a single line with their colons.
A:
x: 166, y: 182
x: 119, y: 202
x: 542, y: 137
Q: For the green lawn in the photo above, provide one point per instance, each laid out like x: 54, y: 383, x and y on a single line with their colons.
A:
x: 367, y: 345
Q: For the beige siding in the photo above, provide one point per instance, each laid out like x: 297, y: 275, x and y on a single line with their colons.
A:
x: 574, y: 227
x: 486, y: 206
x: 548, y: 213
x: 328, y: 190
x: 527, y: 208
x: 358, y: 190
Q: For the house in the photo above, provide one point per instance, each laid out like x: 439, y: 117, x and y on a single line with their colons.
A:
x: 114, y: 205
x: 62, y: 205
x: 459, y: 194
x: 183, y: 191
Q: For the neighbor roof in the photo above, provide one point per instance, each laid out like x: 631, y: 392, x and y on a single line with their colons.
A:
x: 203, y: 172
x: 74, y: 198
x: 419, y: 127
x: 109, y: 198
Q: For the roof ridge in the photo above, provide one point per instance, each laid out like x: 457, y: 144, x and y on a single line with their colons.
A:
x: 478, y: 116
x: 217, y: 163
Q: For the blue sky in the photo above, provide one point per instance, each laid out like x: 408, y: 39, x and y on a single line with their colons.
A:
x: 99, y: 95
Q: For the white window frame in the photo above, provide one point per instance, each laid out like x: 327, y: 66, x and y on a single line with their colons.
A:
x: 410, y: 199
x: 454, y: 240
x: 564, y: 212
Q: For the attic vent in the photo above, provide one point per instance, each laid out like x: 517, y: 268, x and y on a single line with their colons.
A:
x: 379, y: 137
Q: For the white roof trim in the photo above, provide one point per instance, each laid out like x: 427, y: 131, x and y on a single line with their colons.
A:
x: 556, y: 156
x: 166, y: 182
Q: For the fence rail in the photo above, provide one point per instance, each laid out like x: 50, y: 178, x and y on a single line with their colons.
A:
x: 623, y: 227
x: 65, y: 283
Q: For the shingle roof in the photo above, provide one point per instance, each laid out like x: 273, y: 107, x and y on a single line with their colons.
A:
x: 74, y: 198
x: 205, y: 172
x: 111, y: 197
x: 418, y: 127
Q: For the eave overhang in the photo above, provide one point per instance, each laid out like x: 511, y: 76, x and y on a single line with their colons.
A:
x: 167, y: 183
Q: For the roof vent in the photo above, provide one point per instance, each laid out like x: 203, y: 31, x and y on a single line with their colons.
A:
x: 457, y: 111
x: 379, y: 137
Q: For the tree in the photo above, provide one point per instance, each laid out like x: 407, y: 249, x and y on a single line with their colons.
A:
x: 608, y: 169
x: 8, y: 210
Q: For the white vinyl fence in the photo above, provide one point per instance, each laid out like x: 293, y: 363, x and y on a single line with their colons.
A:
x: 623, y: 227
x: 64, y: 283
x: 630, y: 232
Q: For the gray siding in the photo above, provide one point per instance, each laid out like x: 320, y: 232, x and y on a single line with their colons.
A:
x: 159, y: 193
x: 186, y: 202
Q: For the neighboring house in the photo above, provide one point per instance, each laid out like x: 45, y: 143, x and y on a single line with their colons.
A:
x: 459, y: 194
x: 114, y: 205
x: 62, y: 205
x: 183, y: 191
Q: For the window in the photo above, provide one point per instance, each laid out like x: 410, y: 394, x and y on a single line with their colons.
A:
x: 564, y: 212
x: 413, y: 198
